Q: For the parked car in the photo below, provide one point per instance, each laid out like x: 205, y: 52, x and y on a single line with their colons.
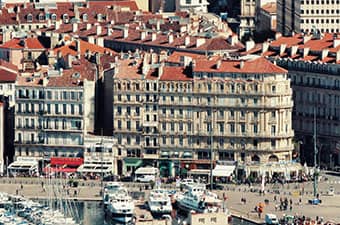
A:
x: 186, y: 182
x: 146, y: 178
x: 215, y: 186
x: 126, y: 179
x: 271, y: 219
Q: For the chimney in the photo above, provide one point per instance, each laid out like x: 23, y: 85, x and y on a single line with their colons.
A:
x: 282, y: 48
x: 76, y: 11
x: 187, y: 41
x: 57, y: 25
x: 337, y: 57
x: 193, y: 64
x: 306, y: 38
x: 69, y: 60
x: 293, y: 50
x: 109, y: 31
x: 126, y: 32
x: 233, y: 40
x: 278, y: 35
x: 153, y: 58
x: 100, y: 41
x: 88, y: 26
x: 59, y: 55
x: 98, y: 30
x: 78, y: 46
x: 90, y: 39
x: 199, y: 42
x: 241, y: 64
x: 305, y: 52
x: 158, y: 25
x: 98, y: 58
x: 74, y: 27
x: 153, y: 36
x: 336, y: 43
x: 324, y: 53
x: 143, y: 35
x: 250, y: 45
x: 160, y: 69
x: 218, y: 64
x: 170, y: 38
x: 265, y: 46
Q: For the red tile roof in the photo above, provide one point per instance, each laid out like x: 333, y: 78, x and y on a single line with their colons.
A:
x: 8, y: 65
x: 7, y: 76
x: 28, y: 43
x: 84, y: 47
x: 175, y: 74
x: 259, y: 65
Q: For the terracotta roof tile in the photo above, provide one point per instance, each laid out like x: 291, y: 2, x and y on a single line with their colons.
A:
x: 84, y: 47
x: 7, y: 76
x: 270, y: 7
x: 175, y: 73
x: 259, y: 65
x: 28, y: 43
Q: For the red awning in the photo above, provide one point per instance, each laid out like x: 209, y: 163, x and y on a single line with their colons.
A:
x: 61, y: 161
x: 59, y: 170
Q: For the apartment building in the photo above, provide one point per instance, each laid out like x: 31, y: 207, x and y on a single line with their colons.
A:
x: 308, y: 15
x: 192, y: 5
x: 54, y: 109
x: 170, y: 114
x: 313, y: 64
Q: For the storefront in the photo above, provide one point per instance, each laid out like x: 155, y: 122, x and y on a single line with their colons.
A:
x: 131, y: 164
x: 63, y: 165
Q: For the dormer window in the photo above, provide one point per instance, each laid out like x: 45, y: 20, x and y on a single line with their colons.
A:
x: 41, y: 17
x: 29, y: 18
x: 54, y: 17
x: 85, y: 17
x: 65, y: 18
x: 99, y: 17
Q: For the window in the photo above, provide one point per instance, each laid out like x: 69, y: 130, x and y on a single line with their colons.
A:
x: 273, y: 129
x: 29, y: 18
x: 243, y: 128
x: 255, y: 128
x: 54, y: 17
x: 232, y: 128
x: 221, y: 127
x: 85, y: 17
x: 273, y: 89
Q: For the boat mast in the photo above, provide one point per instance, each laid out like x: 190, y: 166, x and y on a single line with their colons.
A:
x: 315, y: 183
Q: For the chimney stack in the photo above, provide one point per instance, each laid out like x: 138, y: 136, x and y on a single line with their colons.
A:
x: 336, y: 43
x: 88, y: 26
x: 324, y: 53
x: 305, y: 52
x: 282, y: 48
x: 100, y: 41
x: 69, y: 60
x: 199, y: 42
x: 218, y: 64
x: 278, y: 35
x: 170, y: 38
x: 76, y: 11
x: 265, y: 46
x: 153, y: 36
x: 109, y: 31
x: 337, y: 57
x: 126, y: 31
x: 158, y: 25
x: 241, y: 64
x: 250, y: 45
x: 187, y: 41
x: 74, y: 27
x: 293, y: 50
x: 160, y: 69
x: 78, y: 48
x: 98, y: 29
x: 143, y: 35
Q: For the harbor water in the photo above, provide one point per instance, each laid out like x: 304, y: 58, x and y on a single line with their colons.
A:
x: 91, y: 213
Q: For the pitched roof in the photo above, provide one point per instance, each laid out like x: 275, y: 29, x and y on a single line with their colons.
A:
x: 270, y: 7
x: 259, y: 65
x: 175, y: 74
x: 84, y: 47
x: 28, y: 43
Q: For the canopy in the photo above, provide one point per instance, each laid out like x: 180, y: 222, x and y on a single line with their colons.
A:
x: 60, y: 170
x: 223, y: 170
x: 66, y: 161
x: 23, y: 165
x: 147, y: 170
x: 199, y: 172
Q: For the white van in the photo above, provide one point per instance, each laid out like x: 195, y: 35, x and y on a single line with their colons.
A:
x: 146, y: 174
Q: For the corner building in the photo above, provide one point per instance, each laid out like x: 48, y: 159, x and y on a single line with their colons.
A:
x: 163, y: 112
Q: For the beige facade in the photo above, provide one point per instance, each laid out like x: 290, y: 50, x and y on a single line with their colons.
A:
x: 160, y: 119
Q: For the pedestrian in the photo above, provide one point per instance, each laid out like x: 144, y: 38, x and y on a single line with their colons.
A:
x: 22, y: 186
x: 17, y: 191
x: 42, y: 184
x: 300, y: 201
x: 276, y: 206
x: 291, y: 207
x: 274, y: 198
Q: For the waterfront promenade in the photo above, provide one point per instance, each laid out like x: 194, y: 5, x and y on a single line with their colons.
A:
x: 89, y: 190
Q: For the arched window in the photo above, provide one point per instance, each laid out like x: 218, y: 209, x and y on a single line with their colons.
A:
x: 255, y: 158
x: 85, y: 17
x: 273, y: 158
x: 65, y: 18
x: 29, y: 18
x: 54, y: 17
x: 41, y: 17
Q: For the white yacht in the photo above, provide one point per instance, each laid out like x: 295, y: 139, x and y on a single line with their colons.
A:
x: 119, y: 205
x: 159, y: 202
x: 198, y: 199
x: 109, y: 189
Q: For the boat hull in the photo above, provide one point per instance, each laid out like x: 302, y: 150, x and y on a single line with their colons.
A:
x: 120, y: 217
